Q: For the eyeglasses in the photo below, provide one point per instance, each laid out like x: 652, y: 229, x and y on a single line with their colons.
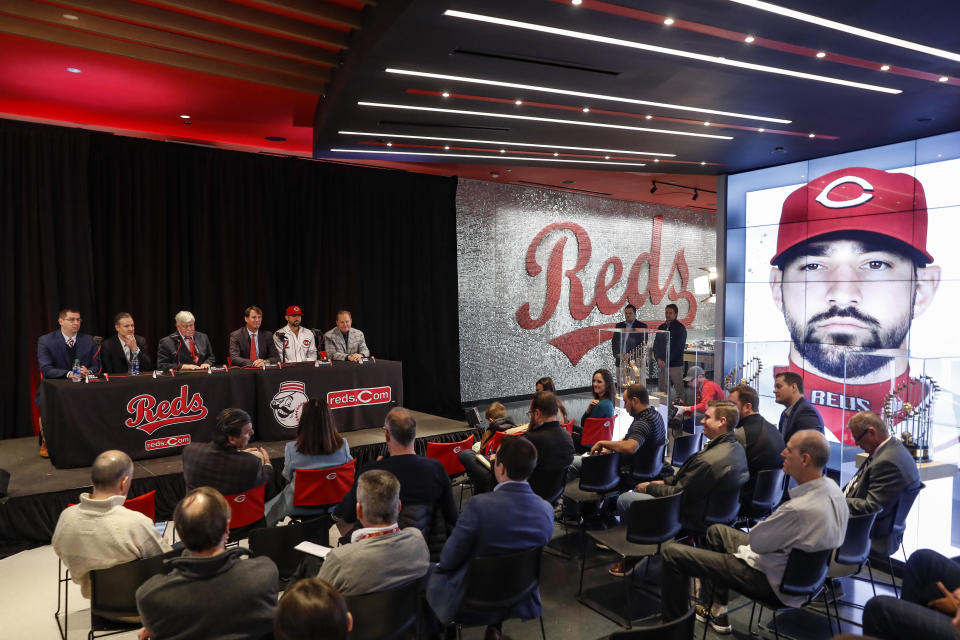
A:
x: 858, y: 438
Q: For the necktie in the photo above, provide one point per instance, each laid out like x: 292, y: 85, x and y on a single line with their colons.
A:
x: 856, y: 478
x: 253, y: 347
x: 70, y: 342
x: 193, y: 351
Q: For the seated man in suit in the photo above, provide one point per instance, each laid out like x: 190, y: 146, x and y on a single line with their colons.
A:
x: 814, y: 519
x: 119, y: 352
x: 186, y: 348
x: 721, y: 465
x: 226, y: 464
x: 344, y: 342
x: 889, y: 471
x: 924, y: 610
x: 58, y: 350
x: 249, y: 346
x: 798, y: 413
x: 508, y: 519
x: 759, y: 438
x: 381, y: 555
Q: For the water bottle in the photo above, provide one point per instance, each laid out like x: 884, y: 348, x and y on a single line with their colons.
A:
x: 134, y: 364
x: 76, y: 370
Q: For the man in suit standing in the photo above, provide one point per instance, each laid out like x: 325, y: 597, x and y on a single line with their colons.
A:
x: 186, y: 348
x: 885, y: 474
x: 118, y: 352
x: 671, y: 364
x: 509, y: 518
x: 632, y: 341
x: 58, y: 350
x: 798, y: 414
x: 343, y: 342
x: 249, y: 346
x: 761, y: 440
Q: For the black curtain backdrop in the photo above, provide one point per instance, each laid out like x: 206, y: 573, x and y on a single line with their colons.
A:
x: 110, y: 224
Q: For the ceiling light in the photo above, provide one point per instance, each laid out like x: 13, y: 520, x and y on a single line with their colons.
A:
x: 761, y: 129
x: 503, y: 150
x: 446, y: 147
x: 706, y: 124
x: 518, y: 102
x: 446, y: 94
x: 656, y: 159
x: 70, y: 16
x: 653, y: 189
x: 942, y: 79
x: 812, y: 135
x: 821, y: 54
x: 184, y: 116
x: 512, y: 116
x: 885, y: 67
x: 389, y: 144
x: 482, y: 157
x: 749, y: 39
x: 649, y: 117
x: 741, y: 64
x: 576, y: 3
x: 702, y: 164
x: 555, y: 154
x: 586, y: 109
x: 606, y: 157
x: 668, y: 21
x: 839, y: 26
x: 580, y: 94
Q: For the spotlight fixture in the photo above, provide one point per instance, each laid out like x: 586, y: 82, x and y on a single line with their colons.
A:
x: 445, y: 94
x: 761, y: 129
x: 446, y: 147
x: 649, y: 117
x: 653, y: 189
x: 668, y: 21
x: 885, y: 67
x: 389, y: 144
x: 696, y: 190
x: 812, y: 135
x: 942, y: 79
x: 587, y: 109
x: 821, y: 54
x: 518, y: 102
x: 576, y: 3
x: 749, y: 39
x: 696, y: 194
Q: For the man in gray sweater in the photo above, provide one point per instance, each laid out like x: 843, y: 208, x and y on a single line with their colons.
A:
x: 381, y: 555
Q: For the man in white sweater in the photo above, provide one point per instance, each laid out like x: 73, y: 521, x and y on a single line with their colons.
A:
x: 100, y: 532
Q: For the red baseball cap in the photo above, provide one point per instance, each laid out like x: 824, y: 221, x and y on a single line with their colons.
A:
x: 294, y: 311
x: 856, y: 199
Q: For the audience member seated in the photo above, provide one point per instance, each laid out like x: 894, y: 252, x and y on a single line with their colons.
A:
x: 759, y: 438
x: 546, y: 384
x: 210, y: 592
x: 225, y: 463
x: 318, y: 446
x: 721, y: 465
x: 553, y: 442
x: 884, y: 475
x: 100, y: 532
x: 312, y: 609
x: 928, y: 610
x: 602, y: 406
x: 814, y: 519
x: 423, y: 481
x: 382, y: 556
x: 508, y: 519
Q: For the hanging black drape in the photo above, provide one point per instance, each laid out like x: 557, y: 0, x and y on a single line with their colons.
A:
x: 110, y: 224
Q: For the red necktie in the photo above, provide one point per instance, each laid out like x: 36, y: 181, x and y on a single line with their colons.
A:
x: 70, y: 342
x: 253, y: 347
x: 193, y: 351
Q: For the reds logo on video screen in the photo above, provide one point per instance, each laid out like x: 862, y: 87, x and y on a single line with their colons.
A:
x: 150, y: 415
x: 288, y: 401
x: 356, y: 397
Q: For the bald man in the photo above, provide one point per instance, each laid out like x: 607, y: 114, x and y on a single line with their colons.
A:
x: 100, y: 532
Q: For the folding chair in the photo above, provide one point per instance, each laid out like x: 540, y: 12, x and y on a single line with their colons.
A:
x: 317, y: 491
x: 767, y: 493
x: 647, y: 465
x: 246, y: 512
x: 113, y: 604
x: 595, y: 430
x: 568, y: 426
x: 386, y: 615
x: 852, y: 555
x: 887, y: 532
x: 683, y: 447
x: 448, y: 453
x: 277, y: 543
x: 493, y: 444
x: 804, y: 576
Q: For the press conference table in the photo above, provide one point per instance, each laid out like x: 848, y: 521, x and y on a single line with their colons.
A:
x: 151, y: 417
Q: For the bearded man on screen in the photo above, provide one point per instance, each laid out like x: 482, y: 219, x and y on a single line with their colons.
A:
x: 850, y: 273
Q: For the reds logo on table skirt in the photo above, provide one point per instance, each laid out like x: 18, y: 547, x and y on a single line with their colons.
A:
x: 166, y: 443
x: 148, y: 414
x: 358, y: 397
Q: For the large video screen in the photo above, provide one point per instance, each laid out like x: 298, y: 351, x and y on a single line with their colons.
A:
x: 833, y: 261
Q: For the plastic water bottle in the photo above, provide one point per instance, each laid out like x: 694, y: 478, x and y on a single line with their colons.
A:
x: 135, y: 365
x: 76, y: 370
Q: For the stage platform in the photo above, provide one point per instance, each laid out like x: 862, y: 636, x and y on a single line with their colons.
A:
x: 39, y: 492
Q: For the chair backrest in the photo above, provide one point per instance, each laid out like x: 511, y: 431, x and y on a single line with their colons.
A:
x: 767, y: 492
x: 569, y: 426
x: 679, y: 629
x: 384, y: 615
x: 113, y: 590
x: 497, y: 583
x: 654, y: 521
x: 723, y: 505
x: 548, y: 483
x: 805, y: 572
x: 595, y: 430
x: 856, y: 543
x: 493, y: 444
x: 145, y: 504
x: 683, y: 448
x: 448, y: 453
x: 323, y: 487
x: 647, y: 463
x: 277, y: 543
x: 600, y: 473
x: 247, y: 507
x: 892, y: 521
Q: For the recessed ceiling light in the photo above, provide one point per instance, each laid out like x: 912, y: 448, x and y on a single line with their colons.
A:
x: 885, y: 67
x: 821, y: 54
x: 555, y: 154
x: 846, y: 28
x: 741, y: 64
x: 761, y: 129
x: 446, y: 147
x: 503, y: 150
x: 649, y: 117
x: 606, y: 157
x: 706, y: 124
x: 586, y: 109
x: 74, y: 70
x: 656, y: 159
x: 942, y: 79
x: 389, y: 144
x: 518, y: 102
x: 576, y: 3
x: 276, y: 139
x: 70, y: 16
x: 483, y: 157
x: 184, y: 116
x: 512, y: 116
x: 812, y: 135
x: 749, y: 39
x: 702, y: 164
x: 446, y: 94
x: 579, y: 94
x: 668, y: 21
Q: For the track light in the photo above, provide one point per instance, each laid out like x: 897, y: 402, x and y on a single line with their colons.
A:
x: 653, y: 189
x: 696, y: 194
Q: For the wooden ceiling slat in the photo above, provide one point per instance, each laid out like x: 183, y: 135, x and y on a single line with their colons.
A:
x: 84, y: 40
x: 259, y: 21
x: 198, y: 27
x: 167, y: 40
x: 325, y: 11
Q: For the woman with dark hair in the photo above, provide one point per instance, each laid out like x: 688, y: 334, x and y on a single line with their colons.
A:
x: 604, y: 396
x: 546, y: 384
x: 318, y: 446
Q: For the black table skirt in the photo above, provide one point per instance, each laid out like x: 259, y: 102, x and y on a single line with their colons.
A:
x: 153, y: 417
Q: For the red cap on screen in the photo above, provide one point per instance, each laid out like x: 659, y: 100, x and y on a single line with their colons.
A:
x: 856, y: 199
x: 294, y: 311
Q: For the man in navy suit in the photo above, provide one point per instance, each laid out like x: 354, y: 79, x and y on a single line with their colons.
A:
x: 509, y: 518
x: 798, y: 414
x: 249, y: 346
x: 57, y: 351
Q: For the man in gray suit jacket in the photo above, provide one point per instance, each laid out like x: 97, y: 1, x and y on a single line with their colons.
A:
x: 343, y: 342
x: 888, y: 472
x: 381, y: 555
